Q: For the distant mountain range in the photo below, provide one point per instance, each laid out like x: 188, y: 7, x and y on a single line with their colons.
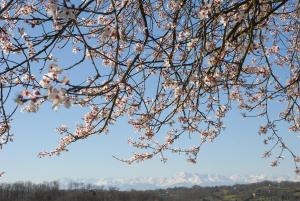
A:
x: 181, y: 179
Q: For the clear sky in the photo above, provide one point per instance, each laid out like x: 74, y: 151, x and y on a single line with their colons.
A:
x: 237, y: 151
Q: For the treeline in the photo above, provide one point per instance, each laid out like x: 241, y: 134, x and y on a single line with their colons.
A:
x: 27, y: 191
x: 264, y: 191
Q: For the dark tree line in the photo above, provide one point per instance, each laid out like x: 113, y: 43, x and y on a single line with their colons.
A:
x: 266, y: 191
x: 27, y: 191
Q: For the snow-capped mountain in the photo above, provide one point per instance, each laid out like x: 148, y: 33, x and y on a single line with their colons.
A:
x: 181, y: 179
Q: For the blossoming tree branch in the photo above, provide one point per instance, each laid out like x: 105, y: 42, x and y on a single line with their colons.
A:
x: 171, y: 66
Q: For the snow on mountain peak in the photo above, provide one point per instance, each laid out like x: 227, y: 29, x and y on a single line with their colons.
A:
x: 182, y: 179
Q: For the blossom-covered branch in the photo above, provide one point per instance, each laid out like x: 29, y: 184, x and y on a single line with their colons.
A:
x: 175, y: 65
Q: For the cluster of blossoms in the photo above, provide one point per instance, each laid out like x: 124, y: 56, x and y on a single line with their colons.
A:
x: 58, y: 97
x: 5, y: 43
x: 4, y: 129
x: 45, y: 91
x: 60, y: 14
x: 174, y: 66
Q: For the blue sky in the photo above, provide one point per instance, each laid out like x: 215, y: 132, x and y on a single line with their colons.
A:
x: 237, y: 151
